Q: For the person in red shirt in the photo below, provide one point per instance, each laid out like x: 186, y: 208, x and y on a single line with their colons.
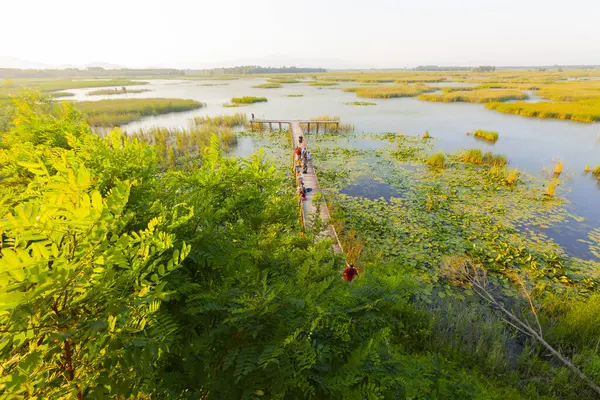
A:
x: 350, y: 273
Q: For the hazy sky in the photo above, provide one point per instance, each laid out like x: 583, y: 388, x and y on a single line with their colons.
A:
x: 373, y: 33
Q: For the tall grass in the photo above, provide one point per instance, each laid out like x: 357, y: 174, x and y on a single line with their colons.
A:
x: 579, y: 111
x: 322, y: 83
x: 283, y: 80
x: 387, y: 92
x: 237, y: 119
x: 475, y: 96
x: 18, y: 87
x: 477, y: 157
x: 121, y: 111
x: 572, y: 91
x: 339, y: 128
x: 248, y: 100
x: 437, y: 160
x: 295, y: 95
x: 268, y: 86
x: 490, y: 136
x: 360, y: 103
x: 558, y: 168
x: 596, y: 171
x: 115, y: 91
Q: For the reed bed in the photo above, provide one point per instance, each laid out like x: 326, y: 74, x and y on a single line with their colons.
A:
x: 572, y: 91
x: 283, y: 80
x: 322, y: 83
x: 121, y: 111
x: 580, y: 111
x: 20, y: 86
x: 475, y: 96
x: 490, y: 136
x: 115, y: 91
x: 478, y: 157
x: 360, y: 103
x: 268, y: 86
x: 388, y: 92
x: 295, y: 95
x: 437, y: 160
x: 237, y: 119
x: 248, y: 100
x: 596, y: 171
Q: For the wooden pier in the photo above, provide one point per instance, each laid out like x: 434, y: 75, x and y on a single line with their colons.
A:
x: 308, y: 123
x: 308, y: 207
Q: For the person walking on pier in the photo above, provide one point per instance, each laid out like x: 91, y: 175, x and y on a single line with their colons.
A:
x: 252, y: 116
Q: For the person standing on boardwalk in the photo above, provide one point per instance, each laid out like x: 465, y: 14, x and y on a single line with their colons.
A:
x: 252, y: 116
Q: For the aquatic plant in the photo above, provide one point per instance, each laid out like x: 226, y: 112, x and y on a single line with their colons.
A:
x: 121, y: 111
x: 248, y: 100
x: 475, y: 96
x: 19, y: 87
x: 551, y: 188
x: 426, y: 135
x: 295, y: 95
x: 268, y: 86
x: 587, y: 168
x: 558, y: 168
x: 513, y: 177
x: 437, y: 160
x: 476, y: 156
x: 596, y: 171
x: 322, y: 83
x: 490, y: 136
x: 283, y: 80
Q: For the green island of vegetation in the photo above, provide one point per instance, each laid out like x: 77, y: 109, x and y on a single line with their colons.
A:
x: 579, y: 111
x: 295, y: 95
x: 388, y: 92
x: 283, y: 80
x: 115, y: 91
x: 248, y: 100
x: 268, y: 86
x: 121, y: 111
x: 322, y: 83
x: 213, y: 84
x: 360, y: 103
x: 490, y: 136
x: 475, y: 96
x: 16, y: 87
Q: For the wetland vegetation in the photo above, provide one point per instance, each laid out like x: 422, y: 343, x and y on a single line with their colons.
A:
x: 388, y: 92
x: 115, y: 91
x: 490, y: 136
x: 268, y: 86
x: 475, y: 96
x: 248, y: 100
x: 121, y: 111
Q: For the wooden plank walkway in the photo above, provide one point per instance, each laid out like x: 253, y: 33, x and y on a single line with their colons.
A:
x: 311, y: 182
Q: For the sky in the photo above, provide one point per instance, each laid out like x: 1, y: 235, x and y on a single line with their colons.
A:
x: 327, y: 33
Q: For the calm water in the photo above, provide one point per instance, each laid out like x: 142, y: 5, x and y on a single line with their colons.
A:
x: 531, y: 144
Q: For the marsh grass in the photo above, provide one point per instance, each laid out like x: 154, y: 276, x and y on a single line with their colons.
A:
x: 426, y: 135
x: 572, y: 91
x: 478, y: 157
x: 437, y: 160
x: 596, y: 171
x: 360, y: 103
x: 475, y: 96
x: 238, y: 119
x: 248, y: 100
x: 558, y: 168
x: 513, y: 177
x: 116, y: 91
x: 121, y: 111
x: 579, y: 111
x: 490, y: 136
x: 551, y: 188
x: 268, y: 86
x: 588, y: 168
x: 388, y: 92
x: 283, y: 80
x: 322, y: 83
x: 295, y: 95
x: 338, y: 128
x: 212, y: 84
x: 19, y: 87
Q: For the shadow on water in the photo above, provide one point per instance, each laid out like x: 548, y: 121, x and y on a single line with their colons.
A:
x: 365, y: 186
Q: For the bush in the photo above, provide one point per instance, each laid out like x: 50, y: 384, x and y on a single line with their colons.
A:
x: 437, y: 160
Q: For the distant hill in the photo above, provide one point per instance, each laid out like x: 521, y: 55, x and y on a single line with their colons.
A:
x: 12, y: 62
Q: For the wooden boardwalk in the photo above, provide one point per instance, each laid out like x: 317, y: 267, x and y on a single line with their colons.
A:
x: 312, y: 185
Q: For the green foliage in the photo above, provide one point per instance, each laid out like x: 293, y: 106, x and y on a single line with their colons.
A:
x: 237, y: 119
x: 21, y: 86
x: 475, y: 96
x: 476, y: 156
x: 114, y: 91
x: 596, y: 171
x: 248, y: 100
x: 295, y: 95
x: 581, y: 111
x: 360, y: 103
x: 268, y: 86
x: 387, y: 92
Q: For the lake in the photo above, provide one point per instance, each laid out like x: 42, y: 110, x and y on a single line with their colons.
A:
x: 531, y: 145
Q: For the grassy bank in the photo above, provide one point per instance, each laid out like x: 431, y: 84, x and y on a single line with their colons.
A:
x: 268, y: 86
x: 388, y: 92
x: 121, y: 111
x: 238, y: 119
x: 475, y: 96
x: 116, y: 91
x: 17, y: 87
x: 581, y: 111
x: 248, y: 100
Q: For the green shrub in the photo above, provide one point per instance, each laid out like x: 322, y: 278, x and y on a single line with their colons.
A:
x: 490, y: 136
x: 437, y: 160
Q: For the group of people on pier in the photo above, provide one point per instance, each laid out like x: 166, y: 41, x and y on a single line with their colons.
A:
x: 302, y: 158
